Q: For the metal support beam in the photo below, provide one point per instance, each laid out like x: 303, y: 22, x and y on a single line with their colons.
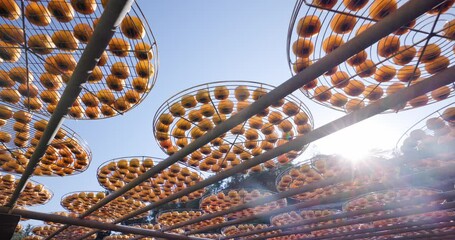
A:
x: 445, y: 171
x: 408, y: 12
x: 398, y: 213
x: 389, y: 24
x: 441, y: 79
x: 338, y: 197
x: 110, y: 19
x: 450, y: 235
x: 289, y: 193
x: 404, y: 229
x: 95, y: 224
x: 392, y: 229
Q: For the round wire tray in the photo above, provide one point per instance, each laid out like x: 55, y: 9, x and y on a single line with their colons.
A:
x: 318, y: 27
x: 75, y: 215
x: 33, y: 193
x: 426, y: 137
x: 20, y: 133
x: 292, y: 236
x: 244, y: 228
x: 72, y: 232
x: 413, y: 233
x: 192, y: 112
x: 373, y: 170
x: 41, y: 43
x: 80, y: 202
x: 156, y: 227
x: 380, y: 198
x: 32, y: 237
x: 300, y: 215
x: 206, y: 235
x: 174, y: 216
x: 232, y: 197
x: 117, y: 172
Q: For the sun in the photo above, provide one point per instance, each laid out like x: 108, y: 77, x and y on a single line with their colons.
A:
x: 357, y: 142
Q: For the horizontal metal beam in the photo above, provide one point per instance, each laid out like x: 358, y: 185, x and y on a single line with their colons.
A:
x: 94, y: 224
x: 445, y: 171
x: 393, y: 21
x: 441, y: 79
x: 404, y: 229
x: 285, y: 194
x: 385, y: 230
x: 450, y: 235
x: 389, y: 24
x: 395, y: 214
x: 110, y: 19
x: 102, y: 34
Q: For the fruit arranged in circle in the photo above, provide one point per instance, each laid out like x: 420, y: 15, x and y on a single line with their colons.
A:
x: 72, y: 232
x: 50, y: 44
x: 323, y: 167
x: 244, y: 228
x: 393, y: 195
x: 79, y: 202
x: 317, y: 30
x: 171, y: 217
x: 195, y: 111
x: 114, y: 174
x: 20, y: 134
x: 230, y: 198
x: 32, y: 194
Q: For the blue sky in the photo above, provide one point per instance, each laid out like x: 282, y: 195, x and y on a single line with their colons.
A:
x: 202, y: 41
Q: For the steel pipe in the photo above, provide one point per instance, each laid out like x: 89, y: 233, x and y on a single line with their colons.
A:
x: 94, y: 224
x: 389, y: 24
x: 398, y: 213
x: 347, y: 120
x: 445, y: 171
x: 271, y: 198
x: 110, y: 19
x: 439, y: 236
x: 442, y: 224
x: 363, y: 233
x: 407, y: 13
x: 441, y: 79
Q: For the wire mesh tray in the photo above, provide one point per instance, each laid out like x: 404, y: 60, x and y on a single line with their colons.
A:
x: 192, y: 112
x: 33, y: 193
x: 115, y: 173
x: 431, y: 132
x: 318, y: 168
x: 318, y: 27
x: 174, y: 216
x: 244, y: 228
x: 80, y: 202
x: 232, y: 197
x: 380, y: 198
x: 20, y: 133
x: 41, y: 43
x: 300, y: 215
x: 72, y: 232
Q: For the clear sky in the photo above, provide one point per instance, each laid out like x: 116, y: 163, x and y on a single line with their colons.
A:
x: 202, y: 41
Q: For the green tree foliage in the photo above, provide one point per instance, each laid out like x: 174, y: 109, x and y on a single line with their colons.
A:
x: 27, y: 231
